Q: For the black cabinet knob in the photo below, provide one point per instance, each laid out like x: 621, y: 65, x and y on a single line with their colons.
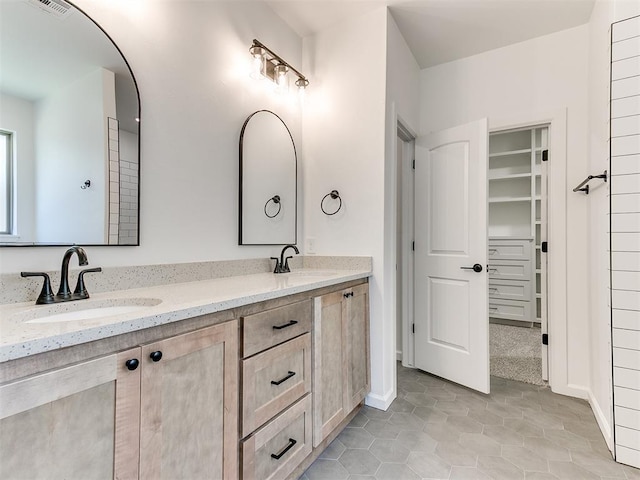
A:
x: 156, y: 356
x: 132, y: 364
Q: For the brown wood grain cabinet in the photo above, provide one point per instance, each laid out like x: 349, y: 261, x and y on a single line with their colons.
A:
x: 71, y: 422
x: 256, y: 395
x: 189, y: 405
x: 276, y: 385
x: 340, y: 358
x: 126, y: 416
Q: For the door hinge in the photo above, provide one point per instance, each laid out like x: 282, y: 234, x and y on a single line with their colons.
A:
x: 413, y: 328
x: 545, y: 339
x: 413, y: 164
x: 544, y: 247
x: 545, y: 155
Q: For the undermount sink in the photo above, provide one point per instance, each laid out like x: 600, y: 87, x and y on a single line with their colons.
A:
x: 84, y: 310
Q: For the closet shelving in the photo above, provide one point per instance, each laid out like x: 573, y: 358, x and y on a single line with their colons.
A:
x: 516, y: 218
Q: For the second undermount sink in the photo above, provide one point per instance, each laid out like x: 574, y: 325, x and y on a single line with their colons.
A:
x: 84, y: 310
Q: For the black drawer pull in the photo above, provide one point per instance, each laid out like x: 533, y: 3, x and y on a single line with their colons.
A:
x: 280, y: 327
x: 283, y: 379
x: 289, y: 446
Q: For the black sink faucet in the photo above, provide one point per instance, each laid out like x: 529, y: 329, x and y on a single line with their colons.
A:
x: 282, y: 265
x: 64, y: 291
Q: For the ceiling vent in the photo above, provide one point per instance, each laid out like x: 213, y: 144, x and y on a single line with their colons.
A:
x: 59, y: 8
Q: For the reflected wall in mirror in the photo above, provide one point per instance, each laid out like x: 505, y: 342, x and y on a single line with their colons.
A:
x: 268, y: 181
x: 69, y: 119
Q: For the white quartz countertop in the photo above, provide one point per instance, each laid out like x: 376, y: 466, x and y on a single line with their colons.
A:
x: 19, y: 337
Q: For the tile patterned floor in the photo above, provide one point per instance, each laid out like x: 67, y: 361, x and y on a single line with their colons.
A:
x: 438, y: 430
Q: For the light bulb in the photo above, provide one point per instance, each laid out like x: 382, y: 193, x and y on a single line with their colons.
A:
x: 281, y: 77
x: 257, y: 65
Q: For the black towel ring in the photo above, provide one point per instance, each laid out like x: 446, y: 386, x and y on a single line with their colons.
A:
x: 275, y: 199
x: 333, y: 194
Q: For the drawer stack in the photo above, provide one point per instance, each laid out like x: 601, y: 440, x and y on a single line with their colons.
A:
x: 276, y: 391
x: 510, y: 279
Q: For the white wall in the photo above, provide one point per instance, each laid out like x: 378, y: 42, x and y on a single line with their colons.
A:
x: 403, y: 89
x: 71, y: 147
x: 344, y: 149
x: 17, y: 115
x: 192, y: 66
x: 546, y: 74
x: 604, y: 14
x: 598, y: 204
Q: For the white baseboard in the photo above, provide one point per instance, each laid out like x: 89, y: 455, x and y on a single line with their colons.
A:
x: 380, y: 402
x: 399, y: 355
x: 603, y: 423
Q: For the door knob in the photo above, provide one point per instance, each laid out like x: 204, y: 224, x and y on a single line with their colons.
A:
x: 476, y: 268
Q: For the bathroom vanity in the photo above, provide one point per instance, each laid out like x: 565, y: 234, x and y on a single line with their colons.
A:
x: 241, y: 377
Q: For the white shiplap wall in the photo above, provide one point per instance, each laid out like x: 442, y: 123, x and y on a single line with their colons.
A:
x: 625, y: 236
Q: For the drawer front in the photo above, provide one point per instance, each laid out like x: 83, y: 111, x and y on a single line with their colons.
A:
x: 509, y: 250
x: 287, y: 437
x: 273, y: 380
x: 510, y: 269
x: 510, y: 310
x: 266, y: 329
x: 510, y: 289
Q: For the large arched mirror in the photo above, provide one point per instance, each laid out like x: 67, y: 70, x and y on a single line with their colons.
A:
x: 268, y: 181
x: 69, y: 118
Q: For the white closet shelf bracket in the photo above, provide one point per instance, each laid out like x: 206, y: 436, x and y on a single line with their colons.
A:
x: 584, y: 185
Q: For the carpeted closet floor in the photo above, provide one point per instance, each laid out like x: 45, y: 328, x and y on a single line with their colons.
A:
x: 516, y: 353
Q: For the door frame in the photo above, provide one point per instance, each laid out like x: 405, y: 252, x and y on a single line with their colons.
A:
x: 557, y: 239
x: 405, y: 198
x: 556, y: 236
x: 544, y: 235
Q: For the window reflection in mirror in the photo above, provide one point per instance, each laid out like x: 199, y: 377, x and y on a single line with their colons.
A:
x: 71, y: 103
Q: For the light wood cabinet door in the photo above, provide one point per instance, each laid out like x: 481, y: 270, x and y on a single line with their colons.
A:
x: 340, y: 357
x: 75, y: 422
x: 358, y: 360
x: 189, y: 405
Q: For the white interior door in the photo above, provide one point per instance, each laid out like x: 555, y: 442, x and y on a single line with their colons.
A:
x: 451, y: 317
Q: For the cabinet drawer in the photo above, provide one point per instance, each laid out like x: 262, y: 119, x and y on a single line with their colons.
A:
x: 510, y: 310
x: 266, y: 329
x: 273, y: 380
x: 276, y: 449
x: 510, y: 269
x: 509, y: 249
x: 510, y: 289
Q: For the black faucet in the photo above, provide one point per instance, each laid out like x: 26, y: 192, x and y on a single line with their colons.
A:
x: 64, y: 293
x: 282, y: 265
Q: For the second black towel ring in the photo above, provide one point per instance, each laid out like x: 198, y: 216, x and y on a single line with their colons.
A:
x: 275, y: 199
x: 333, y: 194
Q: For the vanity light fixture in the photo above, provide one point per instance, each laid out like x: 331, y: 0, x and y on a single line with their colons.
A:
x: 268, y: 64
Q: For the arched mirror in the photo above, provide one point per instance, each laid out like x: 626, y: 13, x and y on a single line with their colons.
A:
x: 69, y: 140
x: 268, y: 181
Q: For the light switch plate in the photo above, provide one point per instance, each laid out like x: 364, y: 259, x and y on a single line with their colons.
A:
x: 310, y: 246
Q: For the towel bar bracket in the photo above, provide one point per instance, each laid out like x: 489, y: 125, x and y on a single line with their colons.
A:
x: 584, y: 185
